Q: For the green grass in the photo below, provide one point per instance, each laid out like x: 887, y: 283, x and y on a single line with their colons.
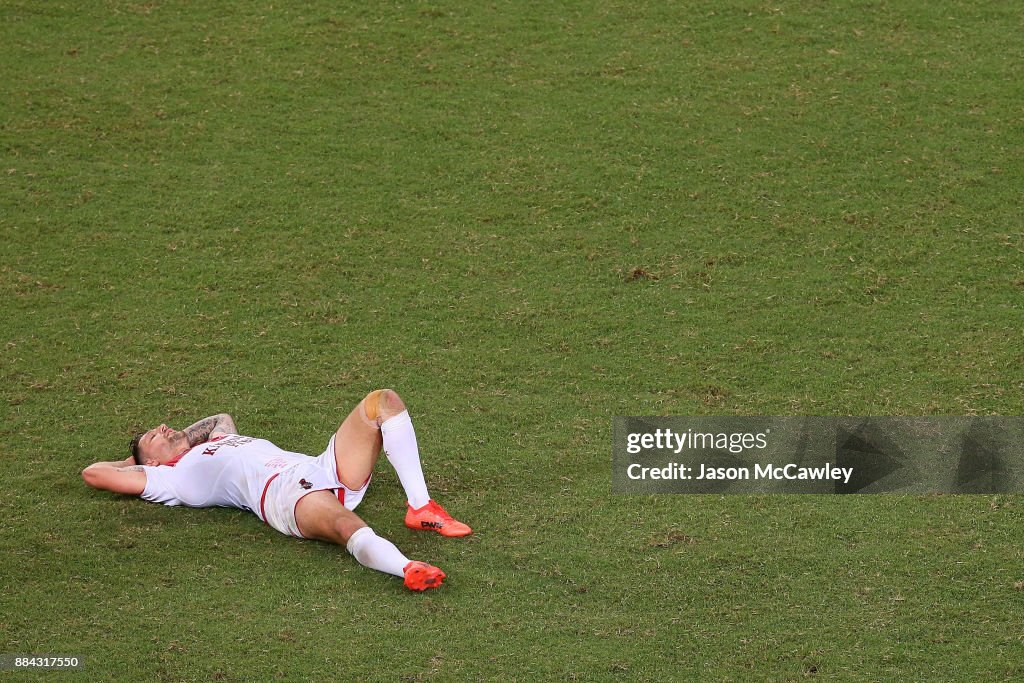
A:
x: 526, y: 218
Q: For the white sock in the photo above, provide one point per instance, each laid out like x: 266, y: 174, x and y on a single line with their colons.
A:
x: 372, y: 551
x: 400, y: 447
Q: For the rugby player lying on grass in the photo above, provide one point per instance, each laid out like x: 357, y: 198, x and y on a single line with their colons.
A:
x: 210, y: 464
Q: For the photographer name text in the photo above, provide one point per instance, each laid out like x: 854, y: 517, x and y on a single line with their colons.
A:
x: 701, y: 472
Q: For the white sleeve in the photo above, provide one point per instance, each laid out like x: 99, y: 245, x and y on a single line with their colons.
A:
x: 159, y: 486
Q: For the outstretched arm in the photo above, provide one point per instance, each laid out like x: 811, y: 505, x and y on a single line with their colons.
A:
x: 119, y: 476
x: 210, y: 427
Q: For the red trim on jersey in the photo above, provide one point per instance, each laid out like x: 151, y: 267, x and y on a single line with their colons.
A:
x: 263, y: 498
x: 174, y: 461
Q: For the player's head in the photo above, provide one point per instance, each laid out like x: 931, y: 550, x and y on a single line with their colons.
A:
x: 158, y: 445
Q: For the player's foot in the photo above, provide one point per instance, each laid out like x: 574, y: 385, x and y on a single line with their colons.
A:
x: 432, y: 517
x: 419, y: 576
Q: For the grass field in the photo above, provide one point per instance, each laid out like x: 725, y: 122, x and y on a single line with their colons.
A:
x: 526, y: 218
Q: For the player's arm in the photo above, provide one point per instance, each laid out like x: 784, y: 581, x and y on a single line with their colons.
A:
x: 119, y: 476
x: 210, y: 427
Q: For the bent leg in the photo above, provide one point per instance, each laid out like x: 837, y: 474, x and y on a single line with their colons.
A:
x: 358, y: 441
x: 380, y: 421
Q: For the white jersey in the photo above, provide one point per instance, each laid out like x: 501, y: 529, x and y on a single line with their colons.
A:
x: 229, y: 471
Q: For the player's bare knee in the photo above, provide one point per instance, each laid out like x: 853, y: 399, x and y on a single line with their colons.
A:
x: 391, y: 404
x: 379, y: 405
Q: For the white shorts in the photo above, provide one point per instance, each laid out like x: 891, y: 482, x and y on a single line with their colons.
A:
x: 285, y: 489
